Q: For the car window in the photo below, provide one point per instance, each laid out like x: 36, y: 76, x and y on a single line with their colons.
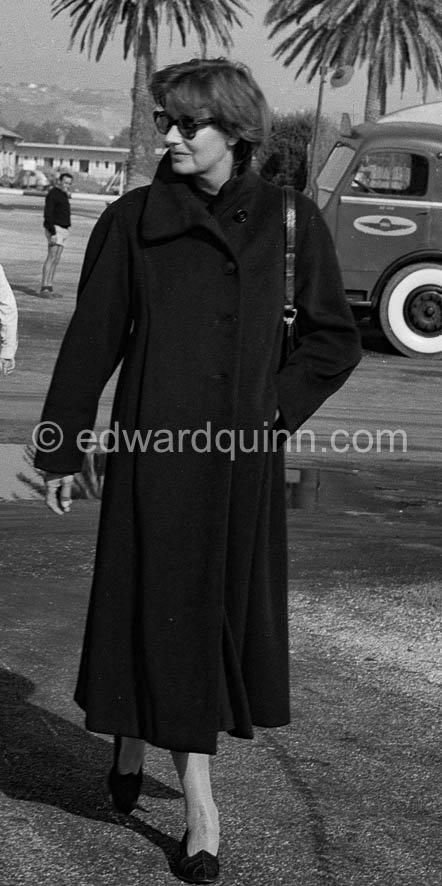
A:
x: 394, y: 173
x: 330, y: 175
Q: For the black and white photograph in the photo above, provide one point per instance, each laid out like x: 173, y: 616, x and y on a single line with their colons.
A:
x: 220, y: 442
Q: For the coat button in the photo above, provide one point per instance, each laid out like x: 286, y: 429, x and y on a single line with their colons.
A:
x: 240, y: 216
x: 230, y: 267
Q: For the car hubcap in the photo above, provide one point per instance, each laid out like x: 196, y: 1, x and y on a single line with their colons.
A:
x: 423, y: 310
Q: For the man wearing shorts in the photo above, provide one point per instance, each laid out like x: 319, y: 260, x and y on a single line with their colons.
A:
x: 57, y: 220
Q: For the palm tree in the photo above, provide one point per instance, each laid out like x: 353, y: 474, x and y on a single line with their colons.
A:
x: 97, y: 20
x: 384, y: 33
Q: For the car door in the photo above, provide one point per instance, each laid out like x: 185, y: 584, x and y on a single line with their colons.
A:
x: 383, y: 212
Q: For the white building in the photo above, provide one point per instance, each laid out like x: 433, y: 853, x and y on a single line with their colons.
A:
x: 85, y: 160
x: 8, y: 140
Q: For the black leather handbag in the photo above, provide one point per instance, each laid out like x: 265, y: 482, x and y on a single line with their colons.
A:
x: 290, y: 340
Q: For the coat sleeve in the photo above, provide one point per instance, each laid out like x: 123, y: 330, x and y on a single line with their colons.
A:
x: 93, y: 346
x: 328, y: 341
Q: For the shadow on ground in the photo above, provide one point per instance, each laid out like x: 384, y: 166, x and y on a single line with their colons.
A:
x: 48, y: 760
x: 373, y: 339
x: 25, y: 290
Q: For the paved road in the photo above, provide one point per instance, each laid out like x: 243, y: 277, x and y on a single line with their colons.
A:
x: 348, y: 794
x: 41, y: 322
x: 387, y: 392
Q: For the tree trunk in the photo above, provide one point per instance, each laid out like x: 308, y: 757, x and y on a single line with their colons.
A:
x: 375, y: 102
x: 142, y: 161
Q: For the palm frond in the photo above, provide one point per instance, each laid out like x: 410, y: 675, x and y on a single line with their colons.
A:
x: 415, y: 56
x: 174, y: 14
x: 94, y: 22
x: 285, y: 12
x: 88, y: 17
x: 404, y: 33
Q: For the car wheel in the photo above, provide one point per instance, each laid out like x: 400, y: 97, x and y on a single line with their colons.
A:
x: 410, y: 310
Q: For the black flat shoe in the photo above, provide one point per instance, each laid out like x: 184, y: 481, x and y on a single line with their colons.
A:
x: 124, y: 789
x: 199, y: 868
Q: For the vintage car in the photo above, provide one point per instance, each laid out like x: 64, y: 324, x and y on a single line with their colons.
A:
x: 380, y: 191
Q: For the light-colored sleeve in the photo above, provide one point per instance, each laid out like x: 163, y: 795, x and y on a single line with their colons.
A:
x: 8, y: 319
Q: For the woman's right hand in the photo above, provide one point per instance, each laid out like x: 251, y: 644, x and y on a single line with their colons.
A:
x: 58, y: 492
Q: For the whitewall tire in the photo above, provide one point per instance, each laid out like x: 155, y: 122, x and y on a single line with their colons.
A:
x: 410, y: 310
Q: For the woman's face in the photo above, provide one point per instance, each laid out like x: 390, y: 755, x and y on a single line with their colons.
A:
x: 208, y: 156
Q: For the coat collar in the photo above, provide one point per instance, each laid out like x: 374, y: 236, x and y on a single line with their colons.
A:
x: 173, y: 207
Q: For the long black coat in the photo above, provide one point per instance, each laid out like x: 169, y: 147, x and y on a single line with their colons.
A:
x: 187, y: 627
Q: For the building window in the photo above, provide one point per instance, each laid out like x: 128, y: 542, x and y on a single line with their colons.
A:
x: 84, y: 166
x: 48, y: 161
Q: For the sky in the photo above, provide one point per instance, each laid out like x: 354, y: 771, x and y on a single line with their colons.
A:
x: 35, y: 48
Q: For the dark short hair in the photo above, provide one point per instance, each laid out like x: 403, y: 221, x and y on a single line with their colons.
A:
x: 65, y: 175
x: 225, y: 89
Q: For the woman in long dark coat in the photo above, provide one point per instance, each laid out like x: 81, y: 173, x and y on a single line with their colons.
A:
x: 184, y: 281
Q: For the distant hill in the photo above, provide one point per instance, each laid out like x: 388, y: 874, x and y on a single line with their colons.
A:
x: 104, y: 111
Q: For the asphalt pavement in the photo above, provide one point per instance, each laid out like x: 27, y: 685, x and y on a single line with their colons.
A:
x: 349, y: 793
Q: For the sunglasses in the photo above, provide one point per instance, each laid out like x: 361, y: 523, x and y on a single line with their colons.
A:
x: 187, y: 126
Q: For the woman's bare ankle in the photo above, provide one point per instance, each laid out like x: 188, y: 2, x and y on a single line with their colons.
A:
x: 131, y: 755
x: 203, y: 828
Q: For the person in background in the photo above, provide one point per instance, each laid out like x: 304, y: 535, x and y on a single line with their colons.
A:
x: 187, y: 632
x: 8, y: 325
x: 57, y: 221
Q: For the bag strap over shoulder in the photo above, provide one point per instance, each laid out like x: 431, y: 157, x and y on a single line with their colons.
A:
x: 290, y: 239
